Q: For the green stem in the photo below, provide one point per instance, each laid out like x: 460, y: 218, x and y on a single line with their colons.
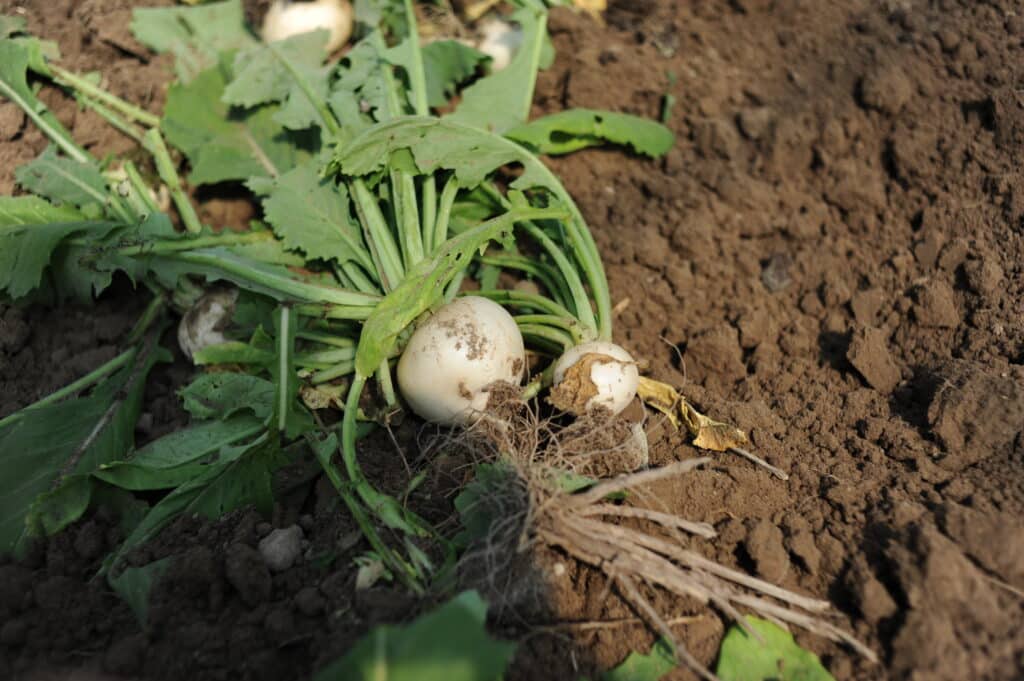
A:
x: 547, y: 275
x: 54, y: 131
x: 523, y: 300
x: 375, y: 228
x: 327, y: 356
x: 337, y: 371
x: 452, y: 290
x: 153, y: 142
x: 387, y: 388
x: 140, y: 186
x: 451, y: 189
x: 360, y: 280
x: 569, y: 324
x: 383, y: 506
x: 94, y: 376
x: 541, y: 381
x: 152, y: 312
x: 581, y: 301
x: 394, y: 107
x: 69, y: 79
x: 409, y: 215
x: 112, y: 118
x: 285, y: 364
x: 323, y: 311
x: 318, y: 294
x: 326, y: 339
x: 429, y: 213
x: 548, y: 333
x: 417, y: 77
x: 404, y: 572
x: 222, y: 239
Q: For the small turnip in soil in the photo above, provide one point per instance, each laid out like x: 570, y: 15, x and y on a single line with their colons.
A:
x: 455, y: 354
x: 204, y: 323
x: 595, y: 374
x: 287, y: 18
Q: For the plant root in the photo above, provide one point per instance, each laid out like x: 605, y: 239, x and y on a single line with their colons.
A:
x: 531, y: 507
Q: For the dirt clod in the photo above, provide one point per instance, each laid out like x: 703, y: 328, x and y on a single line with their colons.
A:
x: 869, y: 354
x: 935, y: 305
x: 888, y: 88
x: 765, y: 547
x: 246, y: 571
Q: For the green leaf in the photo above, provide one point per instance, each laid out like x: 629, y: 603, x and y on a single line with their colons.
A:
x: 223, y: 143
x: 134, y: 584
x: 262, y: 76
x: 778, y: 658
x: 180, y: 456
x: 233, y: 352
x: 218, y: 396
x: 242, y: 478
x: 9, y: 25
x: 651, y: 667
x: 313, y: 215
x: 195, y: 35
x: 448, y: 644
x: 63, y: 180
x: 569, y: 131
x: 36, y: 447
x: 476, y: 514
x: 502, y: 100
x: 470, y: 152
x: 447, y: 64
x: 22, y: 213
x: 25, y: 255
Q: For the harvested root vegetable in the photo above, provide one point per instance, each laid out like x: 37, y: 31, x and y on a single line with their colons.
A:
x: 592, y: 375
x: 287, y: 18
x: 499, y: 41
x: 455, y: 354
x: 204, y: 323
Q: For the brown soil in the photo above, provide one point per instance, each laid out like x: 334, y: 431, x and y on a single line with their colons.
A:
x: 831, y: 257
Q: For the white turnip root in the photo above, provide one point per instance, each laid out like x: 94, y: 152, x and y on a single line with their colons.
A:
x: 595, y: 374
x: 454, y: 355
x: 287, y: 18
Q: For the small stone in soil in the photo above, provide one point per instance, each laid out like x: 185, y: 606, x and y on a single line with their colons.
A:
x: 869, y: 355
x: 775, y: 274
x: 281, y: 547
x: 310, y: 602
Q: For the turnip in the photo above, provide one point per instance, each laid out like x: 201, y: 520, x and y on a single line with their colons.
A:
x: 204, y: 323
x: 287, y: 18
x: 499, y: 41
x: 595, y: 374
x: 455, y: 354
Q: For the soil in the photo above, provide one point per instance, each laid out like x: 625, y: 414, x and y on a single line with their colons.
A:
x: 831, y: 257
